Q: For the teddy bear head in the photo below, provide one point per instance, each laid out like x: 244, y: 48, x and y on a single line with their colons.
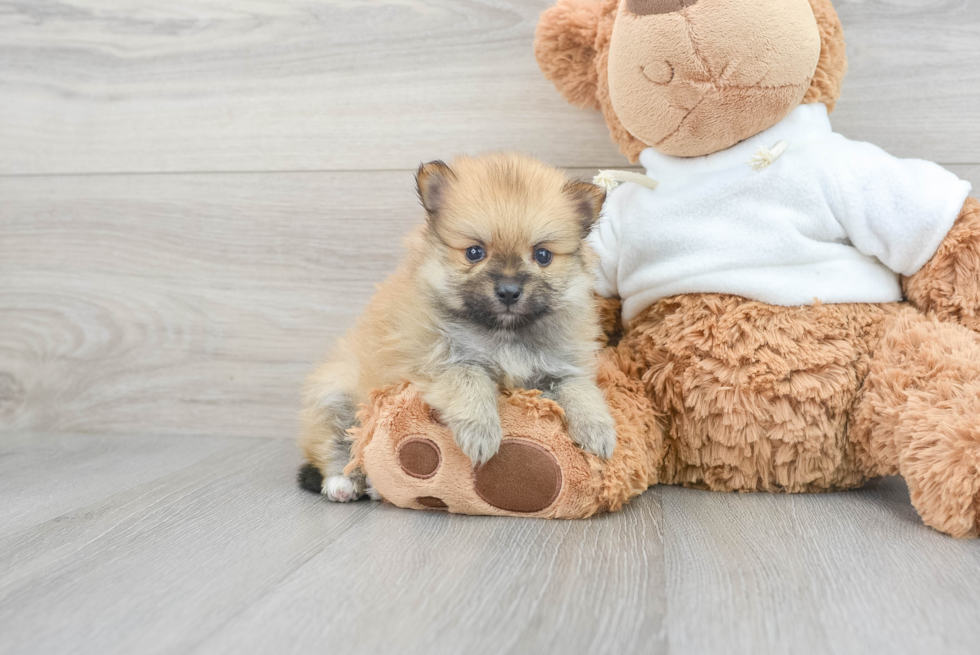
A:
x: 691, y: 77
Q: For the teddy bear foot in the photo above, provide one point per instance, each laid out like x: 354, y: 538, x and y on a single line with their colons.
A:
x: 523, y: 477
x: 942, y: 469
x: 415, y: 463
x: 921, y: 407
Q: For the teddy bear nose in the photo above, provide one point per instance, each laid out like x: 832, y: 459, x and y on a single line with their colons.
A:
x: 646, y: 7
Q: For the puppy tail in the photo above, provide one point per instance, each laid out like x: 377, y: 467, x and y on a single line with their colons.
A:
x: 310, y: 478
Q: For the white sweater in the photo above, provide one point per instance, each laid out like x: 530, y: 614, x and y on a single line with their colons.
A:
x: 831, y: 220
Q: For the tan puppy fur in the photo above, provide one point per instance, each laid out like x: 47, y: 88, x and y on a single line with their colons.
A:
x: 495, y: 292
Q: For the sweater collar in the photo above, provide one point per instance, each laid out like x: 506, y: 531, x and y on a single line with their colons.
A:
x: 804, y: 121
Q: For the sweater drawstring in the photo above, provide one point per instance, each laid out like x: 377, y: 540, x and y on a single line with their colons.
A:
x: 765, y: 157
x: 610, y: 179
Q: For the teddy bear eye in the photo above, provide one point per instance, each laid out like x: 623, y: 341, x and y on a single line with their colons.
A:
x: 542, y: 256
x: 475, y: 254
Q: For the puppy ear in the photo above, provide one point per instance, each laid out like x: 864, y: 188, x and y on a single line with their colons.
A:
x: 587, y: 199
x: 432, y: 180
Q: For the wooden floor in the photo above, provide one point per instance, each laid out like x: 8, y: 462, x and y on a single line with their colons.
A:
x: 197, y: 196
x: 202, y: 544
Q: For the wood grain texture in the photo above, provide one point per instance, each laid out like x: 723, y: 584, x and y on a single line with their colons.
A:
x: 43, y: 476
x: 228, y: 555
x: 427, y: 582
x: 271, y: 85
x: 852, y: 572
x: 157, y: 567
x: 188, y: 304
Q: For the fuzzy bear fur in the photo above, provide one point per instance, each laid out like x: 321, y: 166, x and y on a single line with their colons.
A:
x: 727, y: 394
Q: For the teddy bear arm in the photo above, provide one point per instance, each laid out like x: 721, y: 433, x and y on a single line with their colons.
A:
x: 949, y: 284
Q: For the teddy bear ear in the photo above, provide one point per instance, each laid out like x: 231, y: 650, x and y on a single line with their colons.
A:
x: 565, y: 47
x: 832, y: 66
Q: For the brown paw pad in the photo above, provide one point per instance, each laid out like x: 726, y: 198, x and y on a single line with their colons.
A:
x: 521, y: 477
x: 431, y: 502
x: 420, y: 458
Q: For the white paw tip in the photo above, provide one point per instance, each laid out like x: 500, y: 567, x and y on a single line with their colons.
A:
x: 338, y: 489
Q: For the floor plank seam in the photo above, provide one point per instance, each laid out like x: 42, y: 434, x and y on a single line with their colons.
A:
x: 313, y: 171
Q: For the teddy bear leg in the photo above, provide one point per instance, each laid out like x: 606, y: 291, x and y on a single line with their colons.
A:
x: 919, y: 416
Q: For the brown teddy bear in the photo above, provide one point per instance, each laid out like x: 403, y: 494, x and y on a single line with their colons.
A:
x: 799, y: 311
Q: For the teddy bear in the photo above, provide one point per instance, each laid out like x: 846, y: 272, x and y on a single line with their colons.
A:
x: 785, y: 310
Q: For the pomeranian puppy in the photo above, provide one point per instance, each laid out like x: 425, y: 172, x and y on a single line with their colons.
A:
x: 495, y: 292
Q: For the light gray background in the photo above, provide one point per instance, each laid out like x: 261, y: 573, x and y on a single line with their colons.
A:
x: 197, y: 196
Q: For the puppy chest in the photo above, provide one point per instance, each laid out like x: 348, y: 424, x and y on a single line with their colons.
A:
x: 513, y: 364
x: 519, y: 367
x: 514, y: 367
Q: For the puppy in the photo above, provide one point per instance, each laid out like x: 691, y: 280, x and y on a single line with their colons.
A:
x: 495, y: 292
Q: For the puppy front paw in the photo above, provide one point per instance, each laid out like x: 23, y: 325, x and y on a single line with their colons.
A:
x: 479, y: 441
x: 595, y: 434
x: 339, y: 489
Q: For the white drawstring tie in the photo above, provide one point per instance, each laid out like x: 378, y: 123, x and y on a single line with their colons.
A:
x: 765, y: 157
x: 610, y: 179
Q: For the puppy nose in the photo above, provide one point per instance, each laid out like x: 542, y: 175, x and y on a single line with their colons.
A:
x: 508, y: 292
x: 646, y: 7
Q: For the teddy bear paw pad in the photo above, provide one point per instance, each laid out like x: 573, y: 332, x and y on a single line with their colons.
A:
x: 431, y: 502
x: 420, y: 458
x: 522, y: 477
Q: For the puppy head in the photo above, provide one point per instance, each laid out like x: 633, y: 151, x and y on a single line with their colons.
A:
x: 506, y: 234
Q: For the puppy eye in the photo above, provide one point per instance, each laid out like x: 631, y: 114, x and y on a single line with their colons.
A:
x: 475, y: 254
x: 542, y: 256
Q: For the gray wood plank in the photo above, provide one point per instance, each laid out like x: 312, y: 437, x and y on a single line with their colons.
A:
x: 158, y: 567
x: 418, y: 582
x: 913, y: 86
x: 228, y: 555
x: 44, y: 476
x: 191, y: 85
x: 184, y: 304
x: 273, y: 85
x: 853, y: 572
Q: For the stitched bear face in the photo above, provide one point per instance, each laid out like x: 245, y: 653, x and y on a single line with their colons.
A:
x: 691, y: 77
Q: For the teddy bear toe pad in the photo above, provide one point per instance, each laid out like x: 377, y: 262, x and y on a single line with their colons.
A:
x: 420, y: 458
x: 431, y: 502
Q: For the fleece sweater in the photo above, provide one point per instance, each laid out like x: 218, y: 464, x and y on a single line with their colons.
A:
x: 830, y: 220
